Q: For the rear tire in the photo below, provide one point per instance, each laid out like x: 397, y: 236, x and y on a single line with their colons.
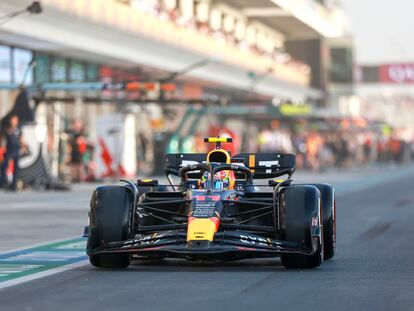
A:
x: 109, y: 221
x: 298, y: 204
x: 329, y: 219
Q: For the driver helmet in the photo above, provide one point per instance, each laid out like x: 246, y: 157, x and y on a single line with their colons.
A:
x: 223, y: 180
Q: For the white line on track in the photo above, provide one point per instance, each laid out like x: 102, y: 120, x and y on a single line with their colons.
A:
x: 42, y: 274
x: 44, y: 207
x: 40, y: 244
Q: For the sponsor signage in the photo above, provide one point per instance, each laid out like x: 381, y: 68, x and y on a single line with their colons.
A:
x: 290, y: 109
x: 396, y: 73
x: 115, y: 152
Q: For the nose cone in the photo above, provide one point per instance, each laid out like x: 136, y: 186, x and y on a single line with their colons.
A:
x: 201, y: 229
x: 198, y: 245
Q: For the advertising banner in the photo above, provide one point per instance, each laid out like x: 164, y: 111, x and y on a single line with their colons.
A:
x: 116, y: 146
x: 397, y: 73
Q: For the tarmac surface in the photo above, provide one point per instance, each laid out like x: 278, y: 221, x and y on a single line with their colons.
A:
x: 372, y: 270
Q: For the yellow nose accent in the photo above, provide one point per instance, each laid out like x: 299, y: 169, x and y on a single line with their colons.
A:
x: 218, y: 140
x: 201, y: 229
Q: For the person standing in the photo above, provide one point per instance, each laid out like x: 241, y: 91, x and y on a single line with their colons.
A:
x: 78, y: 148
x: 13, y: 136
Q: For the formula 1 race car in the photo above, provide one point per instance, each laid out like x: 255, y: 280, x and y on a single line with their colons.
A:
x: 215, y: 212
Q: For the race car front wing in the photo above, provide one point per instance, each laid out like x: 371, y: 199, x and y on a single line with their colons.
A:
x: 227, y: 245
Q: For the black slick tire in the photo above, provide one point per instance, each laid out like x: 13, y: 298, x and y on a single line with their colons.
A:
x: 298, y: 204
x: 109, y: 221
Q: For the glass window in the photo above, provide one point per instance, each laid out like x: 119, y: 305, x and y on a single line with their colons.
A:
x: 77, y: 72
x: 341, y: 65
x: 58, y: 70
x: 41, y: 70
x: 22, y: 71
x: 5, y: 64
x: 92, y: 73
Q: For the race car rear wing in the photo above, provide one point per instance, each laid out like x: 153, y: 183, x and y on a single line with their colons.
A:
x: 262, y: 165
x: 267, y: 165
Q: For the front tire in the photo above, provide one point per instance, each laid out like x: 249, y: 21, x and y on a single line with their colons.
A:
x: 299, y: 203
x: 109, y: 221
x: 329, y: 219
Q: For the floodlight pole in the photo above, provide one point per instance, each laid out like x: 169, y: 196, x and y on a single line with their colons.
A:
x: 34, y: 8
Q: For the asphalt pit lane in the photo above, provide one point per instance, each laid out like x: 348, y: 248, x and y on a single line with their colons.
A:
x: 403, y: 202
x: 376, y: 230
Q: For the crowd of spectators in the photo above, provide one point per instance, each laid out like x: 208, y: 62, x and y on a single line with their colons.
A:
x: 316, y: 148
x: 320, y: 149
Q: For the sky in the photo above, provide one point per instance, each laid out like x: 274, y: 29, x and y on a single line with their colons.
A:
x: 383, y: 30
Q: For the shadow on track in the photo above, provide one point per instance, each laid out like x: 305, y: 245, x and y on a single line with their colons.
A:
x: 182, y: 265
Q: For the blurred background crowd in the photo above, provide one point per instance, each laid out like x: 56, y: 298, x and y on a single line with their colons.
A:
x: 318, y: 145
x: 319, y: 150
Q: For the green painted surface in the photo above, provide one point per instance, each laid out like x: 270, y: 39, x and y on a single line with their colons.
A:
x: 17, y: 264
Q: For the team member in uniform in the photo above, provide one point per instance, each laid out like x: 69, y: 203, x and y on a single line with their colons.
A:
x: 13, y: 136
